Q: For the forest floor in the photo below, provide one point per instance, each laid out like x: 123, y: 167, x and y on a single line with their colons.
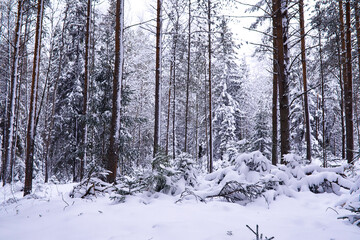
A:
x: 50, y: 213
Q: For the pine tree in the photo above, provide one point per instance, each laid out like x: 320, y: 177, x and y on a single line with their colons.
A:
x: 158, y: 78
x: 113, y: 151
x: 30, y: 138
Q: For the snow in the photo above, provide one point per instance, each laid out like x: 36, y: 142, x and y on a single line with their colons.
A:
x: 51, y: 214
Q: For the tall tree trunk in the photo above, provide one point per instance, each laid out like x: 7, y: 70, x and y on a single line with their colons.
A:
x: 29, y: 160
x: 206, y: 119
x: 348, y: 90
x: 341, y: 102
x: 158, y: 79
x: 188, y: 81
x: 168, y: 111
x: 174, y: 105
x: 210, y: 91
x: 344, y: 71
x: 11, y: 101
x: 113, y: 151
x: 357, y: 94
x: 85, y: 91
x: 303, y: 61
x: 174, y: 89
x: 274, y: 151
x: 322, y: 101
x: 282, y: 58
x: 197, y: 130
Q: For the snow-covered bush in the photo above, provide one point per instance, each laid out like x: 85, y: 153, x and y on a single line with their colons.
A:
x: 251, y: 175
x: 163, y: 176
x: 255, y: 161
x: 186, y: 166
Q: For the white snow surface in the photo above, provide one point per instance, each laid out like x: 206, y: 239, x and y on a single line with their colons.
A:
x: 51, y: 214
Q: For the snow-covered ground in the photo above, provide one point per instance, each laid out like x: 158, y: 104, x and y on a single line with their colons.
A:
x: 51, y: 214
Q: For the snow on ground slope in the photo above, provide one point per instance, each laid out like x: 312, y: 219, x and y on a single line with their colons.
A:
x: 52, y: 214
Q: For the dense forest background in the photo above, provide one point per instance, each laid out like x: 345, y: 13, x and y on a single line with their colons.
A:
x: 80, y: 87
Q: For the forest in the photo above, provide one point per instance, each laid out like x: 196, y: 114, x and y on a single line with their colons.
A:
x: 93, y: 98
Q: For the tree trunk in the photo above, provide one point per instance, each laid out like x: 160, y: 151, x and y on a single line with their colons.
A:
x: 188, y: 80
x: 158, y: 79
x: 113, y: 151
x: 274, y: 151
x: 85, y: 91
x: 348, y: 90
x: 210, y: 92
x: 168, y: 111
x: 322, y: 101
x: 174, y: 91
x: 29, y: 160
x: 357, y: 94
x: 344, y: 71
x: 11, y: 101
x: 282, y: 58
x: 303, y: 61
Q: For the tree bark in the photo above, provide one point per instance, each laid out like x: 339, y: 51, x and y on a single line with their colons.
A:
x: 348, y: 90
x: 188, y: 81
x: 280, y: 17
x: 11, y: 101
x: 303, y: 61
x: 210, y: 91
x: 158, y: 79
x: 168, y: 111
x: 344, y: 71
x: 85, y: 91
x: 274, y: 151
x: 357, y: 94
x: 113, y: 151
x: 29, y: 160
x: 322, y: 101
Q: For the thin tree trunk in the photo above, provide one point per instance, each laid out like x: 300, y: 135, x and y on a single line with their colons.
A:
x: 75, y: 148
x: 357, y: 94
x: 168, y: 111
x: 85, y: 90
x: 210, y: 91
x: 29, y: 160
x: 341, y: 99
x: 281, y: 35
x: 344, y: 72
x: 188, y: 81
x: 158, y: 79
x: 16, y: 134
x: 197, y: 130
x: 11, y: 101
x: 303, y: 61
x: 7, y: 90
x: 322, y: 101
x: 274, y: 151
x: 348, y: 90
x: 206, y: 121
x: 113, y: 151
x: 174, y: 94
